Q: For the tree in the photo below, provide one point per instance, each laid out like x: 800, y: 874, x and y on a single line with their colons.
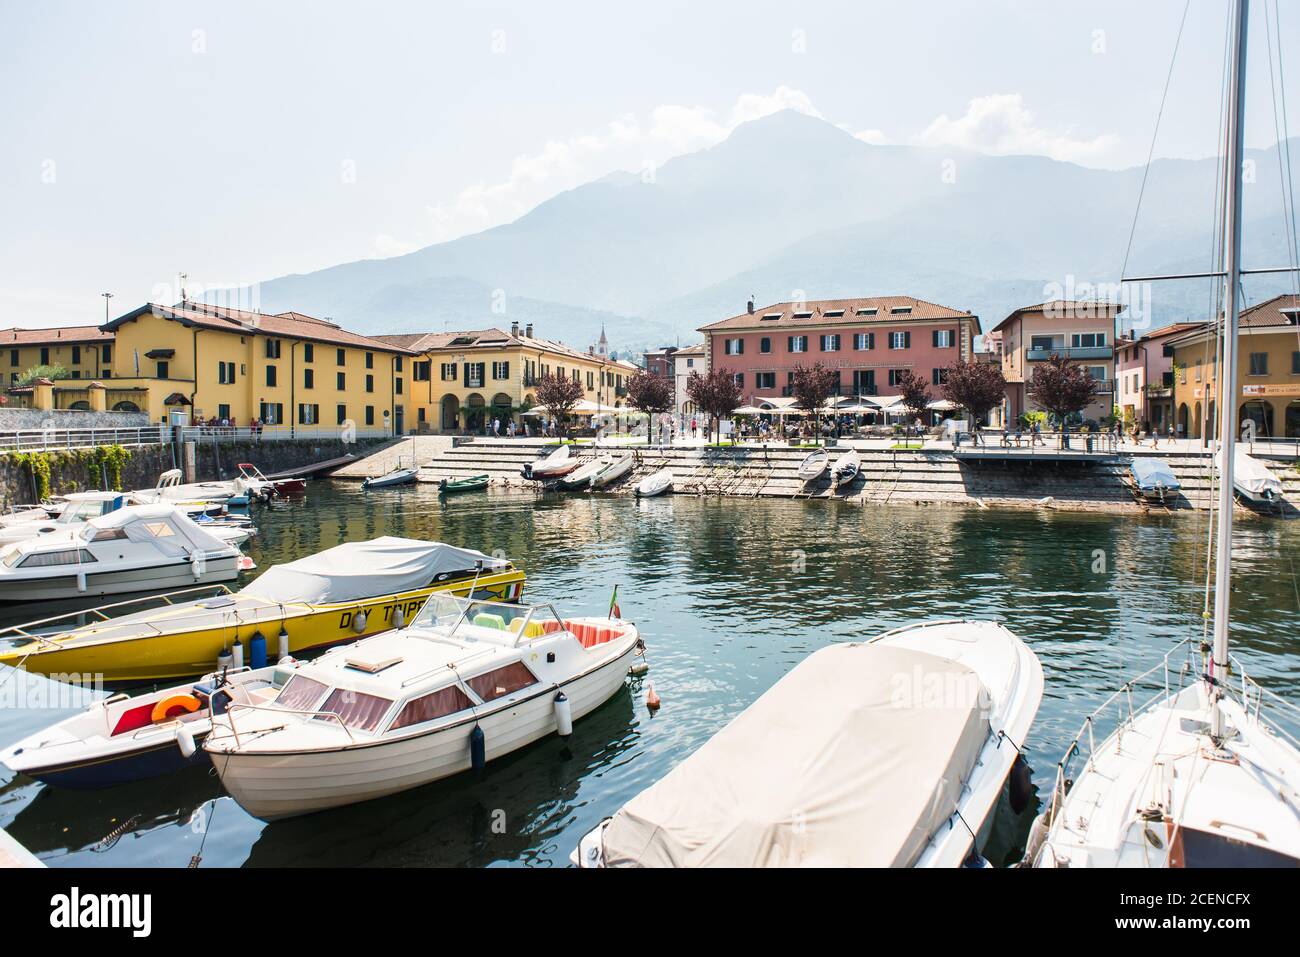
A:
x: 915, y: 393
x: 50, y: 372
x: 715, y: 394
x: 812, y: 386
x: 650, y: 392
x: 558, y: 395
x: 975, y: 387
x: 1061, y: 388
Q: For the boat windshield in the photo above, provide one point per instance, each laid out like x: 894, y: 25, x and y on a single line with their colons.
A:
x: 485, y: 620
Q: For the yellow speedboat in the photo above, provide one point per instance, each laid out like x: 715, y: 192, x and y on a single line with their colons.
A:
x: 338, y: 595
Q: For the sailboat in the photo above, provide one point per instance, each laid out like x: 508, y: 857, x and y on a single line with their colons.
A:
x: 1199, y: 775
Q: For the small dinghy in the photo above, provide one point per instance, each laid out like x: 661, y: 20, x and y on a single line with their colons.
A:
x: 398, y: 476
x: 580, y: 477
x: 846, y: 468
x: 654, y: 484
x: 558, y: 462
x: 1153, y: 478
x: 842, y: 764
x: 814, y: 464
x: 1254, y: 481
x: 475, y: 483
x: 264, y: 487
x: 122, y: 739
x: 614, y: 469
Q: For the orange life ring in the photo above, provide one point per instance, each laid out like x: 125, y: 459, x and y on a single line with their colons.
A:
x: 175, y: 706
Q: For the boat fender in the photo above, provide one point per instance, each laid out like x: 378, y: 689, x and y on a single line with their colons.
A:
x: 185, y: 741
x: 81, y: 580
x: 237, y: 653
x: 639, y: 668
x: 399, y: 619
x: 257, y: 650
x: 1021, y: 786
x: 477, y: 749
x: 563, y: 715
x: 283, y: 644
x: 174, y: 706
x: 225, y: 660
x: 359, y: 621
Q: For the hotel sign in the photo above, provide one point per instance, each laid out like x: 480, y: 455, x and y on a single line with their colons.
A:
x: 1283, y: 389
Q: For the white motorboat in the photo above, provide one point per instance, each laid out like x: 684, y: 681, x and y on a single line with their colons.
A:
x: 1252, y: 479
x: 468, y: 682
x: 559, y: 461
x: 252, y: 479
x: 398, y: 476
x: 76, y: 509
x: 1153, y: 478
x: 846, y: 468
x: 135, y: 548
x: 656, y: 483
x: 887, y: 753
x: 122, y: 738
x: 615, y: 467
x: 581, y: 476
x: 814, y: 464
x: 1201, y: 774
x: 170, y: 489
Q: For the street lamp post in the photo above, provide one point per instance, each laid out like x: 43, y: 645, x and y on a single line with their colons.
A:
x: 107, y: 296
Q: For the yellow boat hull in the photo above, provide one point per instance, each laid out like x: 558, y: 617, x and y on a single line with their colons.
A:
x: 99, y: 653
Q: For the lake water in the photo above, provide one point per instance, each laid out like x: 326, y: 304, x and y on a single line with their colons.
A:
x: 729, y: 594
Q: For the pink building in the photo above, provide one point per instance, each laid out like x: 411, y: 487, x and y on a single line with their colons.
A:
x: 868, y: 342
x: 1144, y: 371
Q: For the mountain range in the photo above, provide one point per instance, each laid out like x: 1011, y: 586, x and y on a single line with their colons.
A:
x: 790, y: 206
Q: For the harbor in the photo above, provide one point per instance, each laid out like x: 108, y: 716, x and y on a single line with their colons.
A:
x: 729, y: 594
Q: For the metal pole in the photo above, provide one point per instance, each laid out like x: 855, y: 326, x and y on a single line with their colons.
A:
x: 1228, y: 380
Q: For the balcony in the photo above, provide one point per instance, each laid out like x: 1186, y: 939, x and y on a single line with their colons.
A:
x: 1078, y: 352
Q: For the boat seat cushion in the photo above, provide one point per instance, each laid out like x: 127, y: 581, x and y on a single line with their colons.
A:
x: 590, y: 635
x: 486, y: 620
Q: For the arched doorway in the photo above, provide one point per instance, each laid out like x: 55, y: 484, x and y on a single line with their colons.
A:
x: 125, y: 406
x: 1211, y: 423
x: 501, y: 409
x: 475, y: 412
x: 1293, y: 419
x: 80, y: 406
x: 1259, y: 412
x: 450, y: 413
x: 1182, y: 420
x: 1196, y: 421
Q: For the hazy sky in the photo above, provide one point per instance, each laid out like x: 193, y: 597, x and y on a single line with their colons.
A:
x: 239, y: 141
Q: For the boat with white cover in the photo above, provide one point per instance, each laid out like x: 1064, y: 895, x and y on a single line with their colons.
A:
x: 558, y: 462
x: 1252, y: 479
x: 1153, y: 478
x: 814, y: 464
x: 468, y: 682
x: 615, y: 467
x: 656, y: 483
x: 891, y: 752
x: 1202, y: 773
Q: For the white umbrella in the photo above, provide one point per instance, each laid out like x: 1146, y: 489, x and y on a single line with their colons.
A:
x: 942, y: 405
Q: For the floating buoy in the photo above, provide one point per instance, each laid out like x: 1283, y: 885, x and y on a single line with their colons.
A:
x: 359, y: 621
x: 477, y: 749
x: 283, y: 645
x: 257, y: 650
x: 185, y: 741
x: 563, y: 715
x: 651, y: 696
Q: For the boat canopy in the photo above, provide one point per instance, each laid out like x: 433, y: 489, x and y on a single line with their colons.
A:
x: 358, y: 570
x: 1151, y: 473
x: 166, y: 527
x: 1251, y: 474
x: 853, y: 759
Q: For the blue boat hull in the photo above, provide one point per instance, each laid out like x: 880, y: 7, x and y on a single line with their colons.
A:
x: 153, y: 762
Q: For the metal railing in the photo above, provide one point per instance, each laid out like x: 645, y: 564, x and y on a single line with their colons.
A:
x: 19, y: 440
x: 1073, y: 352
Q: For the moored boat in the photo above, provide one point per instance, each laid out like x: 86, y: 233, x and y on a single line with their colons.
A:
x: 892, y: 752
x: 614, y: 468
x: 559, y: 461
x: 1252, y: 479
x: 398, y: 476
x: 74, y: 510
x: 335, y: 596
x: 475, y: 483
x: 1153, y: 478
x: 814, y: 464
x: 258, y: 483
x: 467, y: 683
x: 581, y: 476
x: 846, y: 468
x: 657, y: 483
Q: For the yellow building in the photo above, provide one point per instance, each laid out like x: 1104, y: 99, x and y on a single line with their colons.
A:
x: 289, y: 371
x: 463, y: 381
x: 85, y: 352
x: 1268, y: 373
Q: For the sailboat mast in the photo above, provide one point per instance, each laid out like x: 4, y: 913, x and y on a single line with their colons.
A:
x: 1227, y: 392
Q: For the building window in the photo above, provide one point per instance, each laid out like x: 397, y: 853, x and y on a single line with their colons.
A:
x: 270, y: 376
x: 397, y: 385
x: 740, y: 380
x: 308, y: 379
x: 733, y: 347
x: 308, y: 352
x: 370, y: 415
x: 341, y: 411
x: 45, y: 355
x: 340, y: 380
x: 308, y: 414
x: 370, y: 360
x: 894, y: 376
x: 271, y: 413
x: 501, y: 370
x: 765, y: 344
x: 797, y: 343
x: 397, y: 363
x: 223, y: 412
x: 900, y: 340
x: 1295, y: 363
x: 341, y: 357
x: 1088, y: 340
x: 162, y: 370
x: 76, y: 355
x: 13, y: 357
x: 943, y: 339
x: 864, y: 382
x: 474, y: 375
x: 938, y: 376
x: 448, y: 372
x: 273, y: 348
x: 764, y: 380
x: 591, y: 381
x: 1259, y: 363
x: 864, y: 340
x: 1097, y: 372
x: 830, y: 343
x: 106, y: 353
x: 422, y: 370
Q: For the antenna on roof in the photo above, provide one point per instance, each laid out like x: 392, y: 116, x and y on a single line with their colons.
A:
x: 183, y: 277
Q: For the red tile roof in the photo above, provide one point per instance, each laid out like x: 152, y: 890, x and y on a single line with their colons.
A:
x: 783, y: 313
x: 53, y: 336
x: 1068, y: 309
x: 491, y: 338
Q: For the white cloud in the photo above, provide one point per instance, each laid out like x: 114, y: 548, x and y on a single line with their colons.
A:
x: 1001, y: 124
x: 626, y: 143
x: 874, y: 137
